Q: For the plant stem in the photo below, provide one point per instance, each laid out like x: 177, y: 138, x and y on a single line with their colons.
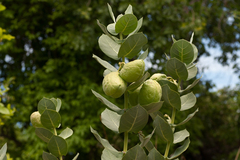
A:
x: 55, y: 133
x: 125, y: 145
x: 167, y: 150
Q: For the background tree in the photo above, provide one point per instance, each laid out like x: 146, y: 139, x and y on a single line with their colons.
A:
x: 51, y: 56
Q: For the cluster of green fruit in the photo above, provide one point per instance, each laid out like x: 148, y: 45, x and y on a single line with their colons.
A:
x: 115, y: 84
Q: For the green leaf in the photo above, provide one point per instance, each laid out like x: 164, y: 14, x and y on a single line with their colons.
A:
x: 188, y: 118
x: 2, y: 7
x: 129, y: 10
x: 111, y: 13
x: 180, y: 136
x: 104, y: 29
x: 188, y: 101
x: 66, y: 133
x: 177, y: 69
x: 174, y: 40
x: 135, y: 153
x: 133, y: 120
x: 132, y: 45
x: 50, y: 119
x: 136, y: 84
x: 153, y: 107
x: 119, y: 16
x: 145, y: 140
x: 44, y: 134
x: 163, y: 129
x: 57, y: 146
x: 109, y: 46
x: 171, y: 85
x: 3, y: 151
x: 109, y: 155
x: 195, y: 50
x: 57, y: 103
x: 48, y: 156
x: 106, y: 72
x: 4, y: 110
x: 103, y: 141
x: 143, y: 55
x: 111, y: 29
x: 191, y: 85
x: 105, y: 64
x: 183, y: 51
x: 44, y: 104
x: 171, y: 97
x: 110, y: 119
x: 108, y: 103
x: 140, y: 21
x: 126, y: 24
x: 75, y: 158
x: 181, y: 149
x: 149, y: 146
x: 191, y: 40
x: 192, y: 71
x: 155, y: 155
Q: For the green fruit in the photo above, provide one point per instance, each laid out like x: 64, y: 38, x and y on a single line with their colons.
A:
x: 151, y: 92
x: 158, y: 77
x: 133, y: 70
x: 113, y: 85
x: 36, y: 119
x: 133, y: 96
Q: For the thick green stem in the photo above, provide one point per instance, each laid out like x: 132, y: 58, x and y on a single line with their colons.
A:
x: 55, y: 133
x: 167, y: 150
x: 125, y: 145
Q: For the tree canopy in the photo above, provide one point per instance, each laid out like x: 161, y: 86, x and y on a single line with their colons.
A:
x: 51, y: 56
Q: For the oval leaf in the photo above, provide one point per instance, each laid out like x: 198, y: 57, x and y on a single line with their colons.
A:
x: 105, y: 63
x: 133, y: 120
x: 109, y: 46
x: 171, y: 97
x: 135, y: 153
x: 140, y: 21
x: 153, y: 107
x: 170, y: 84
x: 163, y: 129
x: 111, y: 29
x: 191, y: 85
x: 44, y: 104
x: 181, y: 149
x: 132, y: 46
x: 177, y: 69
x: 66, y: 133
x: 48, y: 156
x: 180, y: 136
x: 57, y: 146
x: 50, y: 119
x: 182, y: 50
x: 126, y: 24
x: 136, y: 84
x: 188, y: 101
x: 192, y: 71
x: 110, y: 119
x: 155, y: 155
x: 3, y: 151
x: 44, y: 134
x: 109, y: 155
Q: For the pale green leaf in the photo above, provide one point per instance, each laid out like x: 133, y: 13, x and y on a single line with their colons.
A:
x: 140, y: 21
x: 191, y: 85
x: 180, y: 149
x: 145, y: 140
x: 105, y: 63
x: 4, y: 110
x: 109, y: 155
x: 111, y: 28
x: 192, y: 71
x: 75, y: 158
x: 111, y: 13
x: 188, y: 101
x: 180, y: 136
x: 3, y: 151
x: 135, y: 153
x: 66, y: 133
x: 110, y: 119
x: 188, y: 118
x: 129, y: 10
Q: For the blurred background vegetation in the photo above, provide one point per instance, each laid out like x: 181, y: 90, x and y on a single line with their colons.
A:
x: 51, y: 56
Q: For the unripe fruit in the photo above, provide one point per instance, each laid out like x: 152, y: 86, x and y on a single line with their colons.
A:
x: 133, y: 96
x: 113, y: 85
x: 151, y: 92
x: 158, y: 77
x: 133, y: 70
x: 36, y: 119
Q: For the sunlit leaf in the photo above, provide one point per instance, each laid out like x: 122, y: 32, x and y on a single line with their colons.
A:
x: 180, y: 136
x: 140, y: 21
x: 192, y: 71
x: 66, y: 133
x: 181, y: 149
x: 111, y: 13
x: 105, y: 63
x: 3, y: 152
x: 110, y: 119
x: 136, y: 84
x: 143, y: 55
x: 188, y: 101
x: 129, y: 10
x: 109, y: 155
x: 111, y: 28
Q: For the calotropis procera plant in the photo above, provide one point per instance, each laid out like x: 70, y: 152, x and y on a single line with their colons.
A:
x: 144, y: 96
x: 46, y: 121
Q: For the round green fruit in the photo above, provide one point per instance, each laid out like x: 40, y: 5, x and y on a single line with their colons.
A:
x: 133, y: 70
x: 151, y: 92
x: 113, y: 85
x: 158, y: 77
x: 133, y: 96
x: 35, y: 119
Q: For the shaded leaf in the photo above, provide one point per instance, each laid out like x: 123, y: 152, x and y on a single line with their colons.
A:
x: 155, y: 155
x: 177, y: 69
x: 180, y: 136
x: 173, y: 39
x: 135, y: 153
x: 44, y: 104
x: 171, y: 97
x: 163, y: 129
x: 143, y: 55
x: 4, y: 110
x: 183, y: 51
x: 126, y: 24
x: 191, y: 85
x: 188, y: 118
x: 145, y: 140
x: 110, y: 119
x: 181, y: 149
x: 58, y: 146
x: 105, y: 63
x: 108, y: 103
x: 170, y: 84
x: 109, y: 155
x: 111, y: 13
x: 188, y: 101
x: 109, y: 46
x: 66, y: 133
x: 153, y: 107
x: 129, y: 10
x: 48, y: 156
x: 50, y: 119
x: 140, y: 21
x: 44, y: 134
x: 192, y: 71
x: 132, y: 45
x: 133, y: 120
